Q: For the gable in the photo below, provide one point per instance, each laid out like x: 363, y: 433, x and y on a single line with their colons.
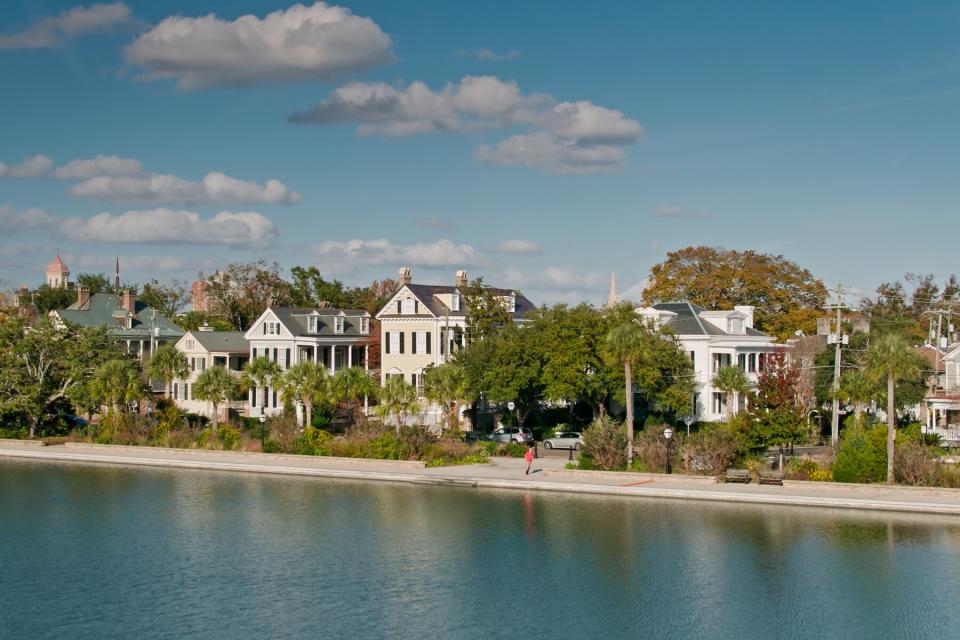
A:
x: 268, y: 326
x: 400, y: 304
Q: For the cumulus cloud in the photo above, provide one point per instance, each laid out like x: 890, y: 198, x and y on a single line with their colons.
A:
x: 215, y: 188
x: 235, y: 229
x: 30, y: 167
x: 348, y: 254
x: 518, y: 247
x: 56, y: 30
x: 666, y: 211
x: 101, y: 165
x: 565, y: 137
x: 489, y: 54
x: 148, y: 263
x: 13, y: 220
x: 297, y: 44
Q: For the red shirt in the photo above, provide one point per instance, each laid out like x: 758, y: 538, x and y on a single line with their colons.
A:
x: 528, y: 456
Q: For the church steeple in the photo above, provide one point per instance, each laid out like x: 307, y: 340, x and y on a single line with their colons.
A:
x: 612, y: 298
x: 116, y: 277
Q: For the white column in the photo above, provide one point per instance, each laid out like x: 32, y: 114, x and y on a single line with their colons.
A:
x: 349, y: 355
x: 366, y: 368
x: 333, y: 359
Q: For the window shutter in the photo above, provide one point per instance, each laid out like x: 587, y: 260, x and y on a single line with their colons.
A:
x: 399, y: 306
x: 387, y: 345
x: 264, y: 325
x: 401, y: 341
x: 413, y: 342
x: 254, y: 354
x: 428, y: 343
x: 416, y: 306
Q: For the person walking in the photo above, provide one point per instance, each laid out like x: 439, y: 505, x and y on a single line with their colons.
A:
x: 528, y: 456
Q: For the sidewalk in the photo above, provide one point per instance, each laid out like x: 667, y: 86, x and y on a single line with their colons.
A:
x: 507, y: 473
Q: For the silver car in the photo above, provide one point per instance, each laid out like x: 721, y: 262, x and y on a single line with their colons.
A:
x: 512, y: 434
x: 564, y: 440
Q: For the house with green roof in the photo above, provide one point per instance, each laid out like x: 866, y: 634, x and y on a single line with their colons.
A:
x: 205, y: 348
x: 131, y: 321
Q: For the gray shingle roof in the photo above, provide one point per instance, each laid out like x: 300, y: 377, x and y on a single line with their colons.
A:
x: 295, y: 319
x: 427, y: 295
x: 688, y: 322
x: 222, y: 341
x: 106, y: 309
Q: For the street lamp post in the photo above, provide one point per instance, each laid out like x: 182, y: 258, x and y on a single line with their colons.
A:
x: 668, y: 434
x: 263, y: 425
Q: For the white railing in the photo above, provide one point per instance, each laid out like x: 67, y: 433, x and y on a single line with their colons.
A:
x: 948, y: 433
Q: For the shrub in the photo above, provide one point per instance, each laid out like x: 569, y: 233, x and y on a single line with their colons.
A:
x: 712, y: 451
x: 312, y: 442
x: 604, y: 446
x: 862, y: 456
x: 821, y: 475
x: 229, y: 437
x: 801, y: 468
x: 650, y: 450
x: 914, y: 464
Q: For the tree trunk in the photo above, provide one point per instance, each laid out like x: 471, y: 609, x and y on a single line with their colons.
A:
x: 628, y: 382
x: 857, y: 412
x: 399, y: 421
x: 891, y: 427
x: 215, y: 418
x: 307, y: 414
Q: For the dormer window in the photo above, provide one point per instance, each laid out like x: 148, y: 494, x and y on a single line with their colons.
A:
x: 338, y: 324
x: 408, y: 306
x: 455, y: 301
x: 312, y: 324
x: 736, y: 325
x: 364, y: 325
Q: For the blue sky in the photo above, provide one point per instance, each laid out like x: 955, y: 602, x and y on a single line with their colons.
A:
x: 540, y: 144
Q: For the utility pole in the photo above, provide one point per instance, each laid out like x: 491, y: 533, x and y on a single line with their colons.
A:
x: 837, y: 338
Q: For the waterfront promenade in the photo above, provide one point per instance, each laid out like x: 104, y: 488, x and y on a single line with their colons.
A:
x: 504, y: 474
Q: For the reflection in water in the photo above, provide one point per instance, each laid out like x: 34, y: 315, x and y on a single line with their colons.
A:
x: 105, y: 552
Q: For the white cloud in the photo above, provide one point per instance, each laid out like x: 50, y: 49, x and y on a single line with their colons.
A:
x: 433, y: 223
x: 666, y: 211
x: 56, y: 30
x: 565, y: 137
x: 148, y: 263
x: 30, y: 167
x: 557, y: 277
x: 489, y: 54
x: 215, y: 188
x: 349, y: 254
x: 298, y: 44
x: 13, y: 220
x: 158, y: 226
x: 83, y: 168
x: 519, y: 247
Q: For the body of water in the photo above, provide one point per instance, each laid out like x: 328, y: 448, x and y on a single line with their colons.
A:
x: 103, y: 552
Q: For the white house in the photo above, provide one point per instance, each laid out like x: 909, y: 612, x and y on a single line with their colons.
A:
x: 422, y: 325
x: 711, y: 340
x: 203, y: 349
x: 289, y: 335
x: 943, y: 402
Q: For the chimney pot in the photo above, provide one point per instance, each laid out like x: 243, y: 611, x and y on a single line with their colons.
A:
x: 129, y: 300
x: 83, y: 295
x: 461, y: 278
x: 405, y: 275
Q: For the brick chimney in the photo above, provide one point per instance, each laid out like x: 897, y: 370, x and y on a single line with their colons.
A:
x: 404, y: 275
x: 83, y: 296
x: 128, y: 300
x: 461, y: 279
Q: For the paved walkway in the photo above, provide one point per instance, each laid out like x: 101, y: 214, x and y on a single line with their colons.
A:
x: 507, y: 473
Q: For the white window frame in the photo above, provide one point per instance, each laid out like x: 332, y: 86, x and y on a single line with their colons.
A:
x: 408, y: 306
x: 364, y: 325
x: 394, y: 338
x: 313, y: 324
x: 455, y: 301
x: 338, y: 324
x: 420, y: 342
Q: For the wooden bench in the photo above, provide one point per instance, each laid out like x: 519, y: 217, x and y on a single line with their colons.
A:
x: 771, y: 477
x: 737, y: 475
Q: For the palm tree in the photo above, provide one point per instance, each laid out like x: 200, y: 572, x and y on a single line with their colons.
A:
x: 397, y: 398
x: 351, y: 385
x: 168, y: 364
x: 259, y: 373
x: 307, y: 383
x: 117, y: 383
x: 890, y: 357
x: 628, y: 344
x: 857, y: 388
x: 216, y: 385
x: 446, y: 385
x: 731, y: 380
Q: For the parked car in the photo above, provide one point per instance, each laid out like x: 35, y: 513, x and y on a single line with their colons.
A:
x: 564, y: 440
x: 476, y: 436
x: 512, y: 434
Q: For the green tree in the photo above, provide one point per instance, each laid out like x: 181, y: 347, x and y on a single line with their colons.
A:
x: 95, y: 282
x: 487, y: 312
x: 215, y: 385
x: 397, y: 398
x: 168, y: 300
x: 857, y: 388
x: 446, y: 385
x: 351, y: 386
x: 628, y: 344
x: 168, y: 364
x: 258, y: 374
x: 242, y: 290
x: 732, y: 381
x: 47, y: 299
x: 117, y: 383
x: 889, y: 357
x: 786, y: 297
x: 308, y: 383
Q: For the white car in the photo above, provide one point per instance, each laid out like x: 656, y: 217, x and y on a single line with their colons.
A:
x: 564, y: 440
